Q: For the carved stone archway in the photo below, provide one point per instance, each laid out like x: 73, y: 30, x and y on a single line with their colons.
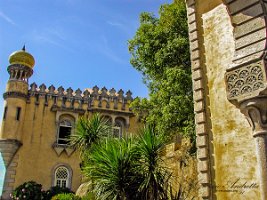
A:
x: 245, y: 79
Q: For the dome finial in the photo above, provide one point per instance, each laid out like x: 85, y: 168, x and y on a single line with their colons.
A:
x: 22, y: 57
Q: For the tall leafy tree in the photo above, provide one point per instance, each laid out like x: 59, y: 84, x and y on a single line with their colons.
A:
x: 160, y: 51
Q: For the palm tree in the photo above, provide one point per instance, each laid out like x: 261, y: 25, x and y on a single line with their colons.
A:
x: 121, y: 169
x: 110, y: 166
x: 89, y: 131
x: 154, y: 176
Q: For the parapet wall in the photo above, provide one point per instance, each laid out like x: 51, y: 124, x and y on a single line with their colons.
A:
x: 80, y: 101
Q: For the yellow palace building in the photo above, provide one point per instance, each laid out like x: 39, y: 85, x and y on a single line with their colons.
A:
x: 38, y: 120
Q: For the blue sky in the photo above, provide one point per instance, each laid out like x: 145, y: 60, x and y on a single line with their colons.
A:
x: 75, y: 43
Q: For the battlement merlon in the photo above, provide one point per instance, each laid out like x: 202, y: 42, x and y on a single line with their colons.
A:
x: 80, y: 101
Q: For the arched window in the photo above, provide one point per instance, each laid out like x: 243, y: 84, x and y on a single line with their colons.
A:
x: 64, y: 131
x: 118, y: 127
x: 62, y: 177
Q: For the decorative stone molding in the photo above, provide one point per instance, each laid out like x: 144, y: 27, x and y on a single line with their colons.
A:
x: 256, y: 113
x: 59, y: 148
x: 199, y: 105
x: 14, y: 95
x: 55, y: 108
x: 245, y: 81
x: 115, y: 112
x: 246, y: 77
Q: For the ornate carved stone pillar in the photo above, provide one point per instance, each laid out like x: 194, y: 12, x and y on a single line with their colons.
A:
x: 246, y: 78
x: 255, y: 111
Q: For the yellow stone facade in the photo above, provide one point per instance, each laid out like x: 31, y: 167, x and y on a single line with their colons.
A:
x: 227, y: 37
x: 29, y: 138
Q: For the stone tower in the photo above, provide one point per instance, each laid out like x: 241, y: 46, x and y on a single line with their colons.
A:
x: 15, y: 96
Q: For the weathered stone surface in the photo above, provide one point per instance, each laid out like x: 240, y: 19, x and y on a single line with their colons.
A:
x: 8, y: 148
x: 198, y: 95
x: 200, y: 117
x: 232, y: 146
x: 198, y: 106
x: 202, y: 141
x: 193, y: 36
x: 251, y: 26
x: 201, y: 129
x: 197, y: 74
x: 247, y: 40
x: 202, y: 153
x: 237, y: 7
x: 250, y: 13
x: 195, y: 64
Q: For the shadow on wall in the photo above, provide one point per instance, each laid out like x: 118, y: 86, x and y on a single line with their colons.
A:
x: 2, y: 173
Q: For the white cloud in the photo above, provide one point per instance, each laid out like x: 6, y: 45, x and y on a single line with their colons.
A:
x: 6, y: 18
x: 114, y: 23
x: 108, y: 52
x: 56, y: 33
x: 51, y: 36
x: 128, y: 27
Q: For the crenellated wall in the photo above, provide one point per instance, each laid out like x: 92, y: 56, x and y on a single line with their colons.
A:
x: 79, y: 101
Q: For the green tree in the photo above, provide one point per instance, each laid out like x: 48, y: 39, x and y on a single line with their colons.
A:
x: 160, y: 51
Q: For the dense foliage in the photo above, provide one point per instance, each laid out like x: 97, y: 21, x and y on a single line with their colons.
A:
x: 160, y: 51
x: 155, y: 176
x: 129, y: 168
x: 65, y: 196
x: 29, y: 191
x: 89, y: 131
x: 56, y: 190
x: 110, y: 166
x: 33, y: 191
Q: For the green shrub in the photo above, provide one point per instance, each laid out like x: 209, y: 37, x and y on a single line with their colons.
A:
x: 89, y: 196
x: 66, y: 196
x: 56, y: 190
x: 28, y: 191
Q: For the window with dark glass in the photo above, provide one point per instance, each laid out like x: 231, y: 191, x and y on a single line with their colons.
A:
x: 5, y: 113
x: 18, y: 113
x: 117, y: 129
x: 64, y: 132
x: 117, y: 132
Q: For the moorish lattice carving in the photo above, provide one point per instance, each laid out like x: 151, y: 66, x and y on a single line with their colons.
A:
x: 244, y: 80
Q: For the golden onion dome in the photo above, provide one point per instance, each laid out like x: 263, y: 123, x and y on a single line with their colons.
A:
x: 22, y: 57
